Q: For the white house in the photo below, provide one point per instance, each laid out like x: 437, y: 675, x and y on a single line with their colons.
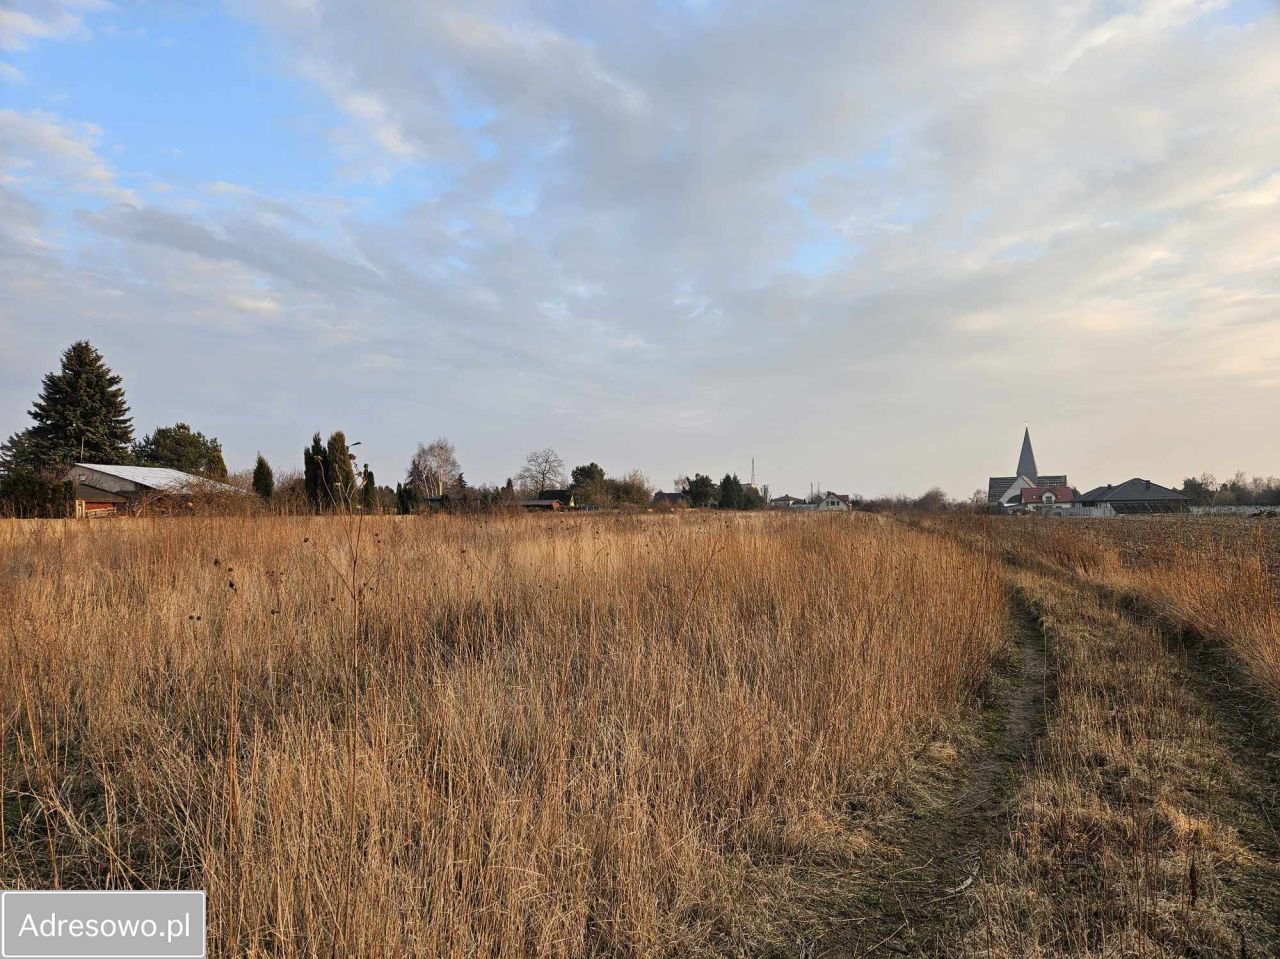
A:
x: 834, y: 501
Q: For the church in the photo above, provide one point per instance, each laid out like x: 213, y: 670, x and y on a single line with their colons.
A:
x: 1029, y: 489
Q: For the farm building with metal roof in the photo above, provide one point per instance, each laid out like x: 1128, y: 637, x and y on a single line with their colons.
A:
x: 101, y: 489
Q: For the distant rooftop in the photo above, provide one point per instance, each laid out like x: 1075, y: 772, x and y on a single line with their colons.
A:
x: 1134, y: 490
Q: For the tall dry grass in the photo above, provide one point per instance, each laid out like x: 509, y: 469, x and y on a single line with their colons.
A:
x: 440, y: 736
x: 1217, y: 576
x: 1229, y: 595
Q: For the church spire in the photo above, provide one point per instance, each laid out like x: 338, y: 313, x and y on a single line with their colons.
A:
x: 1027, y: 459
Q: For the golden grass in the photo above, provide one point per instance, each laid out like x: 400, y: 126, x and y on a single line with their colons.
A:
x: 1123, y: 839
x: 1218, y: 577
x: 500, y: 737
x: 1227, y: 595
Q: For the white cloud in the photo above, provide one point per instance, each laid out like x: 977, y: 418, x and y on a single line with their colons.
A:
x: 39, y: 148
x: 265, y: 306
x: 26, y: 20
x: 861, y: 240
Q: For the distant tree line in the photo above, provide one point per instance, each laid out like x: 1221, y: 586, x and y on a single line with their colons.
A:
x: 702, y: 492
x: 591, y: 487
x: 81, y: 415
x: 434, y: 480
x: 933, y: 500
x: 1205, y: 490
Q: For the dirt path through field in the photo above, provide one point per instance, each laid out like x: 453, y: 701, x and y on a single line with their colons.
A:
x: 1123, y: 799
x: 1147, y: 827
x: 917, y: 902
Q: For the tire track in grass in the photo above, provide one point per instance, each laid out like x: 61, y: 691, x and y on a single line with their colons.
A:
x: 1241, y: 715
x: 1151, y: 825
x: 1144, y: 829
x: 918, y: 900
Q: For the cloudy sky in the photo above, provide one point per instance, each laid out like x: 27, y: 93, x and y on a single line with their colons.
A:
x: 862, y: 242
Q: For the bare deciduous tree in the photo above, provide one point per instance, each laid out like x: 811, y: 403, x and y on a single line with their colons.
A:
x: 433, y: 469
x: 543, y: 469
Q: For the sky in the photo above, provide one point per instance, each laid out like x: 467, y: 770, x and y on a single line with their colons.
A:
x: 862, y: 243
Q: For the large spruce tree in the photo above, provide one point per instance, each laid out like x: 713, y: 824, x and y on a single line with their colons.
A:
x: 80, y: 416
x: 731, y: 492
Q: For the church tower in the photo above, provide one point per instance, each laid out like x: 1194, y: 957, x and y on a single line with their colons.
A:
x: 1027, y: 459
x: 1007, y: 491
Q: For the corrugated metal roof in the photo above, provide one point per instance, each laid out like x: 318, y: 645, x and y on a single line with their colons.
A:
x: 161, y: 478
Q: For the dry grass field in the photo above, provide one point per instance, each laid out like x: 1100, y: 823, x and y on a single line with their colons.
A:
x: 654, y: 735
x: 573, y: 736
